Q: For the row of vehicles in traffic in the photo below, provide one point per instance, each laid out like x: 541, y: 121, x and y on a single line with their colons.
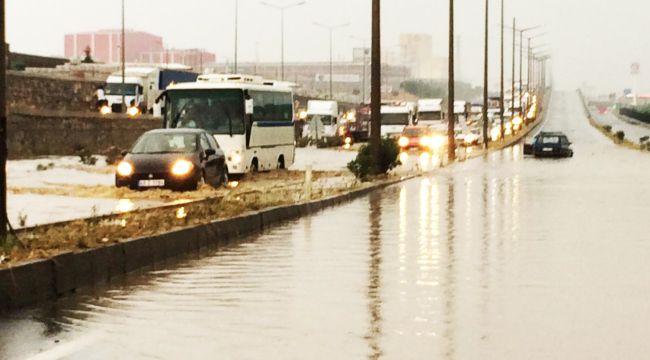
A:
x: 218, y: 126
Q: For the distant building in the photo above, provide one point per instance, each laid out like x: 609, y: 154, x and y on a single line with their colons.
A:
x: 417, y: 54
x: 105, y: 45
x: 198, y: 59
x: 141, y: 47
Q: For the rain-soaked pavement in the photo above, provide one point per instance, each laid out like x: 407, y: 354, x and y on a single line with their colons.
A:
x: 495, y: 258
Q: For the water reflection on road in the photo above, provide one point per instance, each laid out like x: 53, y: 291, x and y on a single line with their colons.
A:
x: 497, y: 258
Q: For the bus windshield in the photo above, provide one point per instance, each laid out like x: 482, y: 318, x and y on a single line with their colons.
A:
x: 126, y: 89
x: 218, y: 111
x: 394, y: 119
x: 430, y: 115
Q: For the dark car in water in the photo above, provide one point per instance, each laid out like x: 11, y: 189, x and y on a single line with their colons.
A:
x: 549, y: 144
x: 178, y: 159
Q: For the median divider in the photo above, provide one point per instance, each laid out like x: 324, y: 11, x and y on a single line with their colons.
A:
x: 42, y: 280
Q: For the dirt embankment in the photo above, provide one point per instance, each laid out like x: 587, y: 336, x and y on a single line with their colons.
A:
x: 190, y: 209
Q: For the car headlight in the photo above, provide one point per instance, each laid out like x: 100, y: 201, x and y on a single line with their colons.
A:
x: 425, y: 141
x: 348, y: 140
x: 105, y: 110
x: 403, y: 141
x: 133, y: 111
x: 470, y: 138
x: 182, y: 168
x: 124, y: 169
x: 235, y: 157
x: 517, y: 121
x: 437, y: 142
x: 495, y: 133
x: 403, y: 158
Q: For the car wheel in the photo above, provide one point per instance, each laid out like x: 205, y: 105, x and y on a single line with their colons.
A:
x: 224, y: 176
x: 281, y: 165
x: 201, y: 181
x: 254, y: 166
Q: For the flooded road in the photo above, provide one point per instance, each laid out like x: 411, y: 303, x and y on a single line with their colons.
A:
x: 496, y: 258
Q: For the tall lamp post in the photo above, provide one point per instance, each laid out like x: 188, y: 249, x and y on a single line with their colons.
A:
x: 375, y: 91
x: 502, y: 100
x: 529, y: 57
x: 485, y: 77
x: 123, y: 56
x: 236, y: 34
x: 4, y: 223
x: 282, y: 8
x: 451, y: 138
x: 331, y: 29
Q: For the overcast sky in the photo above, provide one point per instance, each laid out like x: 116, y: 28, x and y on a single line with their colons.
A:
x: 592, y: 41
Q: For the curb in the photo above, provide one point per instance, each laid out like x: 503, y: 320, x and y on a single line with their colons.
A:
x: 48, y: 279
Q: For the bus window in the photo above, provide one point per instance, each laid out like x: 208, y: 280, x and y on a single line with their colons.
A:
x: 272, y: 106
x: 216, y: 111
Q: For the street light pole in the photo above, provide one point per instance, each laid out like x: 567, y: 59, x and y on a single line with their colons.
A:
x: 236, y: 34
x: 4, y: 223
x: 123, y: 56
x: 451, y: 138
x: 375, y: 93
x: 514, y: 63
x: 485, y: 78
x: 282, y: 8
x: 331, y: 29
x: 501, y: 107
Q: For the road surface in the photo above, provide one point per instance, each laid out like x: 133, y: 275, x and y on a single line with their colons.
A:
x: 502, y: 257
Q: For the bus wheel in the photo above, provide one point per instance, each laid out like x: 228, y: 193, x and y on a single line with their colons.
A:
x: 281, y: 165
x: 255, y: 166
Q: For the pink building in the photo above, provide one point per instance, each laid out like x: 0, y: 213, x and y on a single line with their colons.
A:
x: 105, y: 45
x: 195, y: 58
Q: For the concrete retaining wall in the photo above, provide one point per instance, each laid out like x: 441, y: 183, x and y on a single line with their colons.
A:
x: 47, y: 133
x: 42, y: 280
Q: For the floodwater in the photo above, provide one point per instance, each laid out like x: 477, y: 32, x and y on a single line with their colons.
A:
x: 496, y: 258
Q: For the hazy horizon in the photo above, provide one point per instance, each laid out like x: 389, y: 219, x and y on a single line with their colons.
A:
x: 592, y: 44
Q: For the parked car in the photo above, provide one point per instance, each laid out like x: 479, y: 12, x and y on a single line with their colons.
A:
x: 178, y: 159
x: 549, y: 144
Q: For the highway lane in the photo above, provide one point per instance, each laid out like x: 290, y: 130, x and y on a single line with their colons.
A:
x: 502, y: 257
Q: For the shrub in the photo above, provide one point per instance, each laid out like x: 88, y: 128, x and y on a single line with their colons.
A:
x: 608, y: 128
x: 85, y: 157
x: 113, y: 154
x: 362, y: 165
x: 620, y: 135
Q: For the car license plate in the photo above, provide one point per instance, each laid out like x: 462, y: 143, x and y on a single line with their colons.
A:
x: 547, y: 149
x: 152, y: 183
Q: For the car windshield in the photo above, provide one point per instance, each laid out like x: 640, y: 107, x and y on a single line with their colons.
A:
x: 324, y: 119
x: 550, y: 140
x: 216, y: 111
x: 414, y: 132
x: 394, y: 119
x: 119, y: 89
x: 430, y: 115
x: 165, y: 143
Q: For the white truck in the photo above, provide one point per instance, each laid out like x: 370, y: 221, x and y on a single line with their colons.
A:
x: 395, y: 117
x: 430, y: 114
x: 142, y: 86
x: 322, y: 122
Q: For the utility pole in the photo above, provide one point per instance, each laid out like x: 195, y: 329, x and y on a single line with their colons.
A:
x: 282, y: 8
x: 331, y: 29
x: 485, y: 78
x: 501, y: 107
x: 123, y: 55
x: 236, y: 34
x: 375, y: 93
x: 514, y: 63
x: 4, y: 222
x: 521, y: 71
x: 451, y: 136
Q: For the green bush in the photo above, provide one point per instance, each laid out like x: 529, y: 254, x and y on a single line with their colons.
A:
x: 362, y: 165
x: 620, y: 135
x: 607, y: 128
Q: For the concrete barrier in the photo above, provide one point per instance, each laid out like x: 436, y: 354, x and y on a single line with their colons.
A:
x: 42, y: 280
